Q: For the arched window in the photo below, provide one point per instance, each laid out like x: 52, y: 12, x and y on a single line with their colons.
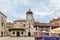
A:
x: 13, y: 32
x: 23, y: 24
x: 21, y: 32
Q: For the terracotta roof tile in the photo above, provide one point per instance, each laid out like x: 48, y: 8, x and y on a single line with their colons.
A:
x: 54, y: 20
x: 58, y: 18
x: 44, y: 24
x: 20, y: 21
x: 29, y: 12
x: 9, y: 24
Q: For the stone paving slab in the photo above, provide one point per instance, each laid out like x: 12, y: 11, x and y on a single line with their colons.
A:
x: 17, y: 38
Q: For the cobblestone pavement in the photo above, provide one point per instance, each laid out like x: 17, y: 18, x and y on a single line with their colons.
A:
x: 16, y: 38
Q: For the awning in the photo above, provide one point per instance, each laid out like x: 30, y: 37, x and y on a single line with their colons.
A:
x: 45, y: 32
x: 57, y: 30
x: 17, y: 29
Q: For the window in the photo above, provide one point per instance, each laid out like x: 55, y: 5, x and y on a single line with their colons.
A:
x: 23, y: 24
x: 2, y: 24
x: 2, y: 18
x: 13, y: 32
x: 46, y: 29
x: 15, y: 23
x: 21, y: 32
x: 46, y: 33
x: 36, y: 28
x: 59, y: 34
x: 56, y: 23
x: 42, y: 29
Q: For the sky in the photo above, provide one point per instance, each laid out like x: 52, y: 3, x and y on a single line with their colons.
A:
x: 43, y: 10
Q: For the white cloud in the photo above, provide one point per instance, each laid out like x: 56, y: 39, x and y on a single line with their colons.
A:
x: 43, y: 7
x: 26, y: 2
x: 55, y: 4
x: 44, y: 10
x: 42, y: 13
x: 52, y: 10
x: 9, y: 7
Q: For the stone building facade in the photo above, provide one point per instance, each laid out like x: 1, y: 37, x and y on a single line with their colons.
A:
x: 44, y: 28
x: 30, y: 27
x: 24, y: 27
x: 55, y: 21
x: 8, y: 26
x: 2, y: 25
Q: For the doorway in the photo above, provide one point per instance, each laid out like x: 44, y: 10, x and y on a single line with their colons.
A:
x: 1, y: 34
x: 18, y: 34
x: 29, y: 33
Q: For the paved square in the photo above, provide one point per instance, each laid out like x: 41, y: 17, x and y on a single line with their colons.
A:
x: 17, y: 38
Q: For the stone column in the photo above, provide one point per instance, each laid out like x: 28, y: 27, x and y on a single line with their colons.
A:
x: 37, y: 30
x: 15, y: 33
x: 49, y: 31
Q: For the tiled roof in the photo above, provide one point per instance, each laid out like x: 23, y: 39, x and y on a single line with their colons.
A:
x: 29, y: 12
x: 20, y: 21
x: 44, y: 24
x: 9, y: 24
x: 54, y: 20
x: 58, y: 18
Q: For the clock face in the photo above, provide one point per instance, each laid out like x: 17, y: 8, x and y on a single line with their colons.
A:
x: 29, y: 17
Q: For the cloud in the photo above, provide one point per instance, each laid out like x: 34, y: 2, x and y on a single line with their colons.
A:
x: 26, y: 2
x: 44, y: 10
x: 9, y: 7
x: 16, y: 9
x: 51, y: 10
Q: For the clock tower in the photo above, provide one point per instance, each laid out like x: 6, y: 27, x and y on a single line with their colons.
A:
x: 29, y: 15
x: 29, y: 19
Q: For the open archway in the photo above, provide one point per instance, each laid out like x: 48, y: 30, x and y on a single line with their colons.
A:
x: 18, y: 34
x: 29, y: 33
x: 1, y: 34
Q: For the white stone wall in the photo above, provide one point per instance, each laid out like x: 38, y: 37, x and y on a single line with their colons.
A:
x: 11, y: 34
x: 19, y: 25
x: 26, y: 27
x: 2, y: 28
x: 32, y: 29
